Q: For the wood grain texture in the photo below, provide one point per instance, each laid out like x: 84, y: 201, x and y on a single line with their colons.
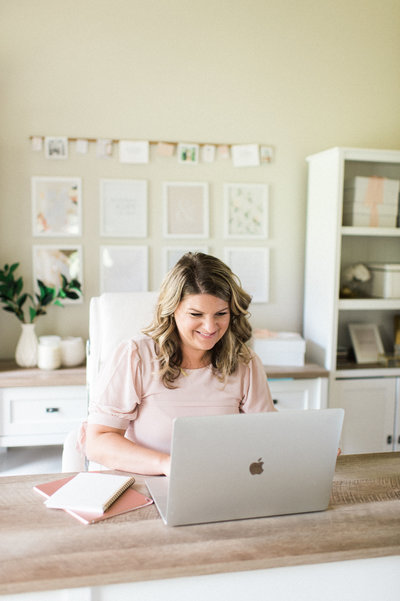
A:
x: 42, y: 549
x: 12, y: 376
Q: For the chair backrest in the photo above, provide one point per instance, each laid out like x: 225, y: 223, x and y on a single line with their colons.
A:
x: 113, y: 317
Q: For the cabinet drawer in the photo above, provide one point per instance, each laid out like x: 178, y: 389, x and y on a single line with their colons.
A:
x: 42, y: 410
x: 298, y: 394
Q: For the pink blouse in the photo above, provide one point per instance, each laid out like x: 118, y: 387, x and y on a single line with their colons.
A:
x: 130, y: 396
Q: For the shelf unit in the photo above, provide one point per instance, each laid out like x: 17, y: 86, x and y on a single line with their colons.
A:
x: 331, y: 247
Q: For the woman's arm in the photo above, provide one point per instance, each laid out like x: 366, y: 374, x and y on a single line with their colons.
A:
x: 110, y: 448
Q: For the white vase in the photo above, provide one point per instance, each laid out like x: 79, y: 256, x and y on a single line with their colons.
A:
x: 26, y: 351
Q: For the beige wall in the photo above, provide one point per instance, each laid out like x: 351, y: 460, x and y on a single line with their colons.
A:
x: 300, y: 76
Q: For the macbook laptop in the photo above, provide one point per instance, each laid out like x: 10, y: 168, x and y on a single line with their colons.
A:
x: 230, y: 467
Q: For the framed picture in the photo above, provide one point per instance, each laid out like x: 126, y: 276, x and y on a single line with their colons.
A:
x: 188, y: 153
x: 123, y: 268
x: 185, y: 210
x: 49, y: 262
x: 366, y: 341
x: 246, y: 211
x: 172, y: 254
x: 123, y: 208
x: 251, y: 265
x: 56, y: 206
x: 56, y: 147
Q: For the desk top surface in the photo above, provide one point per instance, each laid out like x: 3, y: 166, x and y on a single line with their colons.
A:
x: 12, y: 376
x: 42, y: 549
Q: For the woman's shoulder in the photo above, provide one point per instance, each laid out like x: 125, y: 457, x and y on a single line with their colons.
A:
x: 144, y: 345
x: 253, y: 362
x: 138, y: 344
x: 139, y: 347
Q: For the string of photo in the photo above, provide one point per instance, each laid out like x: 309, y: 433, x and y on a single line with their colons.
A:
x: 138, y: 151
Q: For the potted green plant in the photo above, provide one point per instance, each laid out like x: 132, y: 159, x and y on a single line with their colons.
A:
x: 13, y: 299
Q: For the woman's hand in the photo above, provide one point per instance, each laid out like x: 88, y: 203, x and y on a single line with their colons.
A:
x: 166, y: 466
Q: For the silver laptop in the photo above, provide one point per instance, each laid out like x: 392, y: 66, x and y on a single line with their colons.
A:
x: 230, y: 467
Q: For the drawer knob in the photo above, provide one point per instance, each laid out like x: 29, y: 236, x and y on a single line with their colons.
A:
x: 275, y: 401
x: 52, y: 409
x: 389, y: 439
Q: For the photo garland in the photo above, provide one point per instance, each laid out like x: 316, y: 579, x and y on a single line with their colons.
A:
x: 138, y: 151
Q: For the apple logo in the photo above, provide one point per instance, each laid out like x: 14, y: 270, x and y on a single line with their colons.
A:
x: 256, y: 467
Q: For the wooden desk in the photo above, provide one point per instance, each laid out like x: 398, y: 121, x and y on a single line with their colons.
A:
x: 42, y: 549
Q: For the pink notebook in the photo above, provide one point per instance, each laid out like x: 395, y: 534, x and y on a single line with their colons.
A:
x: 131, y: 499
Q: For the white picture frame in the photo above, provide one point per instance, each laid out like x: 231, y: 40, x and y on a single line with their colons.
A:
x: 123, y: 268
x: 50, y: 261
x: 172, y: 254
x: 251, y: 265
x: 123, y: 208
x: 186, y: 210
x: 246, y: 211
x: 366, y: 341
x: 56, y: 147
x: 56, y: 206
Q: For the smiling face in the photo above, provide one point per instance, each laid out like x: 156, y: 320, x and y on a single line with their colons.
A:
x: 201, y: 320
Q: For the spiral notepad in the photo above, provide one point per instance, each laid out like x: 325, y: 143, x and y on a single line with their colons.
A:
x: 90, y: 492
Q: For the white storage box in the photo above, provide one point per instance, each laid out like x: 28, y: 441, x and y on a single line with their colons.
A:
x: 371, y: 201
x: 385, y: 280
x: 361, y: 215
x: 279, y: 348
x: 367, y: 190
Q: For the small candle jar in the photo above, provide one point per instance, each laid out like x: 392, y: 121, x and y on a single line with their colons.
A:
x: 49, y: 356
x: 72, y: 351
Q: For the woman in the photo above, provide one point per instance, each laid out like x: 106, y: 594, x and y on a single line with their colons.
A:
x: 193, y: 361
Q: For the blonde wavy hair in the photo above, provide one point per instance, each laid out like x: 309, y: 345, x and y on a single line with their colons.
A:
x: 198, y: 273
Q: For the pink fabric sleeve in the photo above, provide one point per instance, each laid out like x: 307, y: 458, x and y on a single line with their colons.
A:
x: 257, y: 397
x: 117, y: 392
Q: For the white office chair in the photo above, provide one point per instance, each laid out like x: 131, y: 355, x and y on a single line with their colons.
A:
x: 112, y: 317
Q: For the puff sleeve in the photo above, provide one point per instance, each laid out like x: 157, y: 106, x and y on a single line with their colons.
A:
x: 257, y: 396
x: 117, y: 392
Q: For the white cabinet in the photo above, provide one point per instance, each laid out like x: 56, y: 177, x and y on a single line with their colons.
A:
x: 372, y: 418
x: 308, y: 393
x: 330, y: 248
x: 40, y: 415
